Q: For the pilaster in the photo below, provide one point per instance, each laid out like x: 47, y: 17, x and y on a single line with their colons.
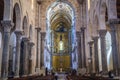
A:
x: 25, y: 56
x: 83, y: 47
x: 102, y: 34
x: 91, y: 60
x: 95, y: 39
x: 38, y: 49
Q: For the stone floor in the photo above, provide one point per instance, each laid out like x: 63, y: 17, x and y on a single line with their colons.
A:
x: 61, y: 76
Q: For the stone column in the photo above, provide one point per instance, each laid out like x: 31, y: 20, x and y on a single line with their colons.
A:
x: 25, y: 56
x: 112, y: 24
x: 83, y: 47
x: 42, y: 48
x: 17, y: 56
x: 31, y: 44
x: 5, y: 55
x: 70, y: 47
x: 38, y: 50
x: 95, y: 39
x: 91, y: 53
x: 102, y: 34
x: 79, y: 50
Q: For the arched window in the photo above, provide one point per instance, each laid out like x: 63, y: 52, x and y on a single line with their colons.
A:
x: 61, y: 45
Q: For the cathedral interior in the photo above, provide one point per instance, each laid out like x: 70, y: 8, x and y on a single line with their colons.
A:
x: 63, y: 39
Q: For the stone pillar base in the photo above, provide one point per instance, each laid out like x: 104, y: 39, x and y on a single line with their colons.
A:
x: 16, y: 76
x: 30, y: 74
x: 24, y: 75
x: 37, y: 70
x: 42, y: 71
x: 3, y: 78
x: 105, y: 76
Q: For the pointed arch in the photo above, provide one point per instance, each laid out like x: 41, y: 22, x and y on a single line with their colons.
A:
x: 95, y: 25
x: 17, y: 17
x: 25, y: 26
x: 102, y: 19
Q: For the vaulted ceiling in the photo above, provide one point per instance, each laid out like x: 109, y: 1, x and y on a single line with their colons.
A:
x: 60, y: 13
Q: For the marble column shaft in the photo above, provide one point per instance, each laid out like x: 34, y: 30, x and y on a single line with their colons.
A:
x: 25, y: 56
x: 17, y: 56
x: 5, y: 54
x: 91, y: 53
x: 102, y: 34
x: 42, y: 48
x: 95, y: 39
x: 83, y: 47
x: 79, y: 50
x: 31, y: 44
x: 38, y: 48
x: 114, y: 45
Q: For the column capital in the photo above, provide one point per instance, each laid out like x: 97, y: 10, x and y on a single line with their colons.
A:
x: 95, y: 38
x: 83, y: 28
x: 7, y: 25
x: 31, y: 44
x: 38, y: 29
x: 19, y: 33
x: 90, y: 43
x: 114, y: 21
x: 39, y: 1
x: 102, y: 32
x: 25, y: 39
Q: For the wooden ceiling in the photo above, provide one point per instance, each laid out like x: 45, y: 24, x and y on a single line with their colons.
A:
x: 1, y: 9
x: 118, y: 8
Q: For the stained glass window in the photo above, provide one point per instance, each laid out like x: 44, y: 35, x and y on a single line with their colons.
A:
x: 61, y: 44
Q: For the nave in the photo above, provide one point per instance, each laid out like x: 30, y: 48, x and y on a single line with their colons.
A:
x: 60, y: 35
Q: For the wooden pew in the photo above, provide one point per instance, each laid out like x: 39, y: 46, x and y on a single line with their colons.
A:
x: 75, y: 77
x: 25, y: 78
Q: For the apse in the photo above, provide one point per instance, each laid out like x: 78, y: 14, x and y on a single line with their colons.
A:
x: 60, y: 37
